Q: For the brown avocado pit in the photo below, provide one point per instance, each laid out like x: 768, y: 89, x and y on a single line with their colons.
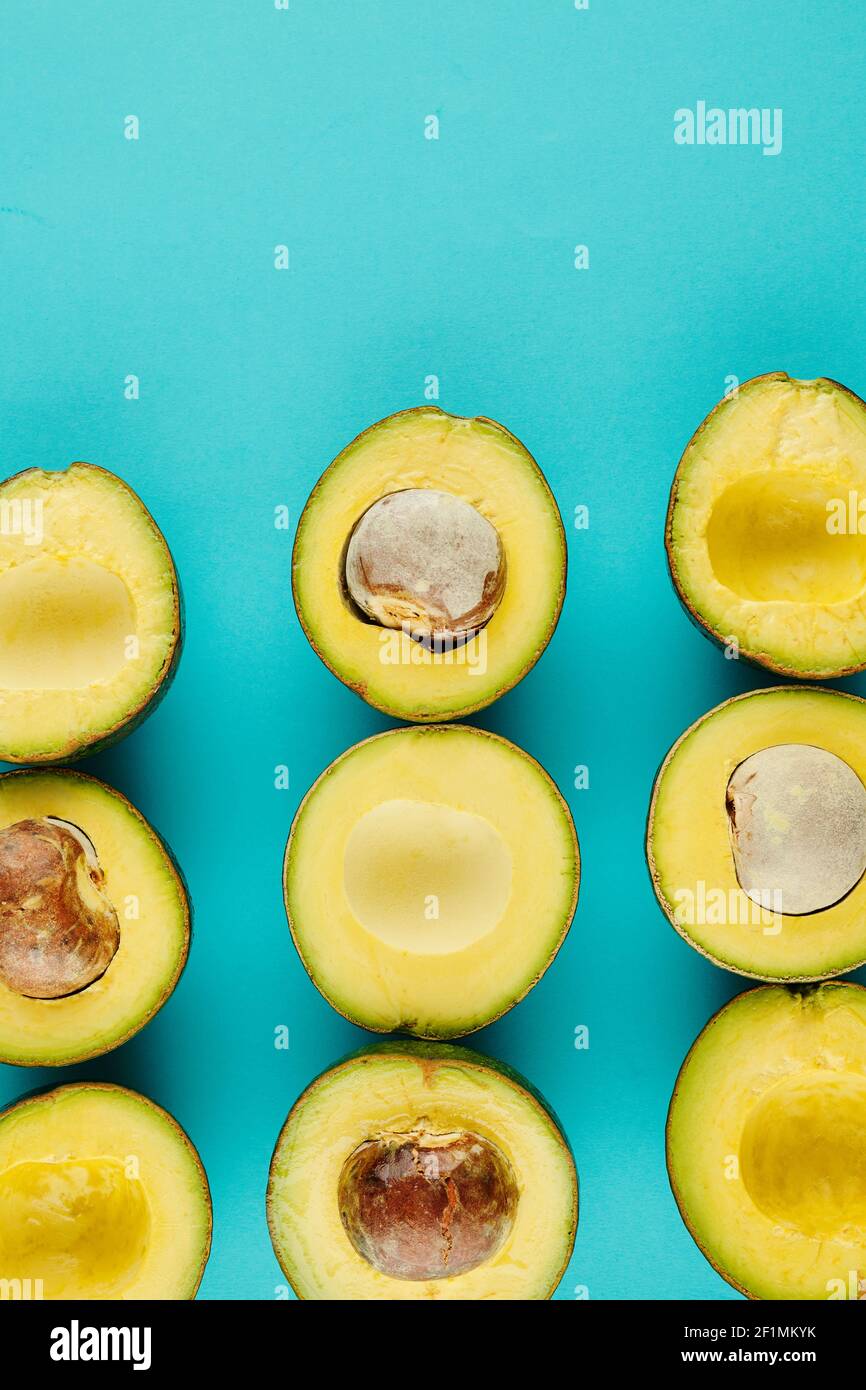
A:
x: 424, y: 1205
x: 58, y: 930
x: 427, y: 562
x: 797, y: 824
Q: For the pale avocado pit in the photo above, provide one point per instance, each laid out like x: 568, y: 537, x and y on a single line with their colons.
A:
x: 408, y: 535
x: 58, y: 930
x: 425, y: 1205
x: 797, y: 823
x: 755, y: 837
x: 428, y: 562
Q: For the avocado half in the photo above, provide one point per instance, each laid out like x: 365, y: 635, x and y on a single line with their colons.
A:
x: 102, y: 1196
x: 137, y: 884
x: 762, y: 536
x: 436, y: 1117
x: 796, y: 827
x: 430, y: 877
x: 479, y: 462
x: 766, y: 1142
x: 90, y: 613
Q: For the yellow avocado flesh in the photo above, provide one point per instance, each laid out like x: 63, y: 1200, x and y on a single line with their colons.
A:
x: 390, y: 1092
x: 89, y: 611
x: 430, y: 876
x: 152, y: 910
x: 756, y: 545
x: 481, y: 463
x: 81, y: 1225
x: 689, y: 843
x: 63, y: 624
x: 102, y: 1196
x: 767, y: 1142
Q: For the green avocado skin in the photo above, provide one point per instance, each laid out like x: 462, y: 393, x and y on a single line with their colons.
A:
x: 37, y: 1093
x: 160, y: 690
x: 424, y: 1050
x: 185, y: 892
x: 418, y: 714
x: 690, y: 607
x: 409, y: 1028
x: 156, y: 699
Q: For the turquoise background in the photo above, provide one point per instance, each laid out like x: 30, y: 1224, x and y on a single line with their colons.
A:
x: 412, y: 257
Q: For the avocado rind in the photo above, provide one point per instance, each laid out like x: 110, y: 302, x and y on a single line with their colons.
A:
x: 97, y: 742
x: 410, y: 1027
x: 755, y: 657
x: 809, y: 991
x: 797, y: 979
x: 443, y: 1053
x: 184, y: 898
x: 47, y: 1093
x: 466, y: 706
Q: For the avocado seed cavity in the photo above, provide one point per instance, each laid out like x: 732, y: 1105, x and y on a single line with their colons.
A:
x: 797, y: 824
x: 58, y: 930
x: 427, y: 562
x: 80, y: 1225
x: 425, y: 1205
x: 803, y: 1154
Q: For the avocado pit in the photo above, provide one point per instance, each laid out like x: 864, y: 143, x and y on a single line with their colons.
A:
x: 425, y: 1205
x: 58, y: 930
x: 797, y: 825
x: 427, y: 562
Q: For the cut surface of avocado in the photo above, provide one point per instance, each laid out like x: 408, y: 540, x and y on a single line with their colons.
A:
x: 140, y: 895
x: 766, y: 1142
x: 470, y: 1192
x: 430, y: 877
x: 756, y: 840
x: 90, y: 621
x: 765, y: 535
x: 102, y: 1196
x: 415, y: 459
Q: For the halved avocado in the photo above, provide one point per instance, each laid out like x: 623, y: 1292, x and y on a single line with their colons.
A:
x: 122, y: 892
x: 469, y: 464
x: 102, y: 1196
x: 766, y: 1142
x: 416, y: 1158
x: 90, y: 614
x: 756, y: 840
x: 430, y: 877
x: 759, y: 536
